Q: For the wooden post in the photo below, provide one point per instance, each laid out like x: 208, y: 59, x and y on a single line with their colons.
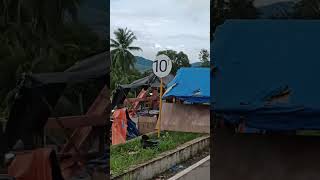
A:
x: 81, y: 103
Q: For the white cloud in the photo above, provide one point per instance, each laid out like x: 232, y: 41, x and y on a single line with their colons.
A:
x: 157, y: 46
x: 165, y: 23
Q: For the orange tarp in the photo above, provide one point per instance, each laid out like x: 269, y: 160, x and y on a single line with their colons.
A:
x: 119, y: 126
x: 32, y: 165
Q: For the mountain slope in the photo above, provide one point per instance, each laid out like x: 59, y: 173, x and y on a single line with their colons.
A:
x: 196, y: 64
x: 142, y: 64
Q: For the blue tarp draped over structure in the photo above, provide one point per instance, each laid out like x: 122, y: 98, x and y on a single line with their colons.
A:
x: 191, y: 85
x: 256, y: 60
x: 132, y: 131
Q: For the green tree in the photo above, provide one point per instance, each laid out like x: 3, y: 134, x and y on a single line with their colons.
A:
x: 218, y: 15
x: 231, y: 9
x: 241, y: 9
x: 123, y: 78
x: 204, y: 58
x: 123, y: 70
x: 122, y: 58
x: 44, y: 15
x: 178, y: 59
x: 41, y: 36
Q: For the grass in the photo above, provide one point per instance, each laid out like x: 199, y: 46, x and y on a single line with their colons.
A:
x: 308, y: 133
x: 124, y: 156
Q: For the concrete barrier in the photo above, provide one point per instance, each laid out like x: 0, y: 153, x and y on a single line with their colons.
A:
x: 165, y: 160
x: 264, y: 157
x: 185, y: 118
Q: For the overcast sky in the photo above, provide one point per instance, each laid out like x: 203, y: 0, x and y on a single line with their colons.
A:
x: 181, y: 25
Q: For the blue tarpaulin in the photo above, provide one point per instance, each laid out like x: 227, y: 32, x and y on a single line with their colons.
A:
x: 256, y: 59
x: 132, y: 131
x: 191, y: 85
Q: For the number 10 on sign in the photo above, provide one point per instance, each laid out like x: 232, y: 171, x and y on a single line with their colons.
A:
x: 161, y: 68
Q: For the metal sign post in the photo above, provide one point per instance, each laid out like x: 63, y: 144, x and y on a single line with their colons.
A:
x: 161, y: 68
x: 160, y: 106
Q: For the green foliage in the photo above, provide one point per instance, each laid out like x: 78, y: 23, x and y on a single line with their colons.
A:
x: 204, y: 58
x: 244, y: 9
x: 231, y: 9
x: 122, y: 58
x: 122, y: 69
x: 124, y: 156
x: 36, y: 37
x: 178, y: 59
x: 241, y: 9
x: 124, y: 77
x: 217, y: 15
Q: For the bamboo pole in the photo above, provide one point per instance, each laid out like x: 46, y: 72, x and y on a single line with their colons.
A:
x: 160, y: 107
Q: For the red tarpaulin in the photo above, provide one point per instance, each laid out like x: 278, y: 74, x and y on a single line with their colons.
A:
x: 119, y: 126
x: 33, y: 165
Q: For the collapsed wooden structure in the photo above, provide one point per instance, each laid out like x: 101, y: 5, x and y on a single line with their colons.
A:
x: 36, y: 97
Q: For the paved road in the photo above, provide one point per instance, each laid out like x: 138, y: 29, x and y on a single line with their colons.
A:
x: 201, y: 172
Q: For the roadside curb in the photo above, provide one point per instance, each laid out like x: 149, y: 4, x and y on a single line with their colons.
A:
x: 166, y: 160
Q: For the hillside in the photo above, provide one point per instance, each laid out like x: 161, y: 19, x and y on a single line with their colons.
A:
x: 196, y: 64
x: 142, y: 64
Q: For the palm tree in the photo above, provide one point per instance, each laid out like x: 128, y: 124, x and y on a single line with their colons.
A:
x: 32, y: 34
x: 122, y: 59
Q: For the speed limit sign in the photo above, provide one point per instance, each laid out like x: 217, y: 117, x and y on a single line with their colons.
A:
x: 162, y: 66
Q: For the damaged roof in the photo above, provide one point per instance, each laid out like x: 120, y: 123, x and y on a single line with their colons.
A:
x: 191, y: 85
x: 151, y: 80
x: 256, y: 57
x: 37, y: 94
x: 261, y: 59
x: 92, y: 67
